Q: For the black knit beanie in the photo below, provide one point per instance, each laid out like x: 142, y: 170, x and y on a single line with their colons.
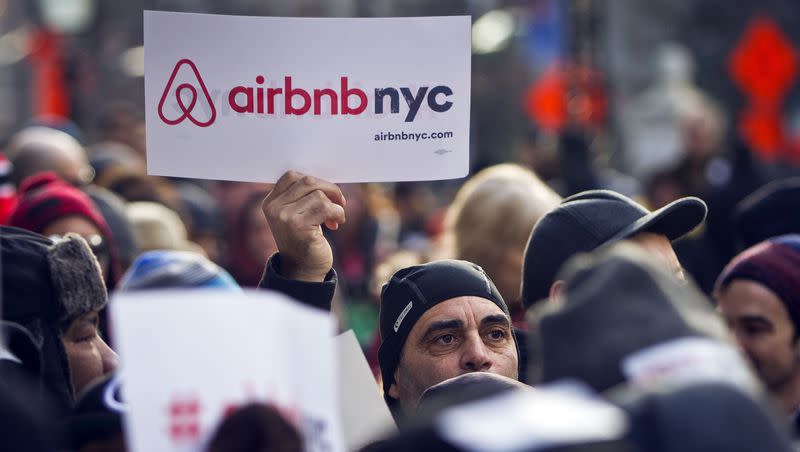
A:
x: 412, y: 291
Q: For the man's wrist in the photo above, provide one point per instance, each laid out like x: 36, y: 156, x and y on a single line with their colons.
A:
x: 318, y: 294
x: 290, y: 269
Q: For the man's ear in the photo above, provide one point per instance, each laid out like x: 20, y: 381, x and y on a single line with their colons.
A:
x: 556, y: 290
x: 394, y: 391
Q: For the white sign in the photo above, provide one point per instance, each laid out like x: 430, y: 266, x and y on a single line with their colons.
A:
x: 562, y: 413
x: 191, y: 357
x: 365, y: 416
x: 347, y: 100
x: 686, y: 361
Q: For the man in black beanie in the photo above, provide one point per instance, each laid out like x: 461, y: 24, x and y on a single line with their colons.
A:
x: 440, y: 320
x: 437, y: 320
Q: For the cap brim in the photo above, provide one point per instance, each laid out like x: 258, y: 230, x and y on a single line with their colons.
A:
x: 674, y: 220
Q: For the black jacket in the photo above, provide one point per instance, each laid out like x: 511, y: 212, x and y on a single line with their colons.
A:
x: 315, y: 294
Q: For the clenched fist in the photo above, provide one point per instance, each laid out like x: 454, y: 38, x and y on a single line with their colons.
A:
x: 296, y: 209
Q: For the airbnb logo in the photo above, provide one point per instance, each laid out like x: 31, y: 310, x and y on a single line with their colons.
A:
x: 284, y: 97
x: 187, y: 111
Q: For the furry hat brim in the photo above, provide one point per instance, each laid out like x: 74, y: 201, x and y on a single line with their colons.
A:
x: 77, y: 276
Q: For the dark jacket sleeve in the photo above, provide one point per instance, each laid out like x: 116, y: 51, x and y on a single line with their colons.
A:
x: 315, y: 294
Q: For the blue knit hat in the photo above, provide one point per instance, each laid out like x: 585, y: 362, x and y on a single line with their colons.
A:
x: 162, y: 269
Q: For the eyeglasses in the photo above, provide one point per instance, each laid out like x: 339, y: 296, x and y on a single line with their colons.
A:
x: 96, y: 244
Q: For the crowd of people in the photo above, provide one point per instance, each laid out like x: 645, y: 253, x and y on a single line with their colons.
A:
x: 584, y: 312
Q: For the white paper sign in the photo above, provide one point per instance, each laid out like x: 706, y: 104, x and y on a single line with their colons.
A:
x: 190, y: 357
x: 365, y: 416
x: 559, y: 414
x: 685, y: 361
x: 347, y: 100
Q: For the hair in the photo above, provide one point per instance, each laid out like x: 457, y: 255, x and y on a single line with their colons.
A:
x: 157, y: 227
x: 36, y: 149
x: 256, y: 428
x: 494, y: 211
x: 239, y: 260
x: 398, y: 260
x: 118, y: 117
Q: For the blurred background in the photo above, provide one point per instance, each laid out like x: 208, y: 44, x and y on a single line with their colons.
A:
x: 656, y: 99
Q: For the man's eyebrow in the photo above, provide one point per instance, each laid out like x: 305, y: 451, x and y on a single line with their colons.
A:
x: 435, y: 327
x: 755, y: 319
x: 91, y: 318
x: 495, y: 319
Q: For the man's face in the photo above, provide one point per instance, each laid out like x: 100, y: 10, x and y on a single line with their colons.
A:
x: 460, y: 335
x: 660, y: 248
x: 656, y: 245
x: 88, y: 354
x: 763, y: 330
x: 71, y: 223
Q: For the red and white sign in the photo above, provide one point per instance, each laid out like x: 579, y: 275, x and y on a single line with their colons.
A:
x: 348, y: 100
x: 191, y: 357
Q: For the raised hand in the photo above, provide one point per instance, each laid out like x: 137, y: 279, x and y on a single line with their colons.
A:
x: 296, y: 209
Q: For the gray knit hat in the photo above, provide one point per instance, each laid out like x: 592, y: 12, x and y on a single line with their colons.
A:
x: 621, y: 315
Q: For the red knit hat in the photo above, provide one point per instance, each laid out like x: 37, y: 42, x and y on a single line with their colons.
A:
x: 774, y: 263
x: 44, y: 198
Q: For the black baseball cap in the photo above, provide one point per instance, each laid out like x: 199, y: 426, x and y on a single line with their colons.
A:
x: 592, y: 219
